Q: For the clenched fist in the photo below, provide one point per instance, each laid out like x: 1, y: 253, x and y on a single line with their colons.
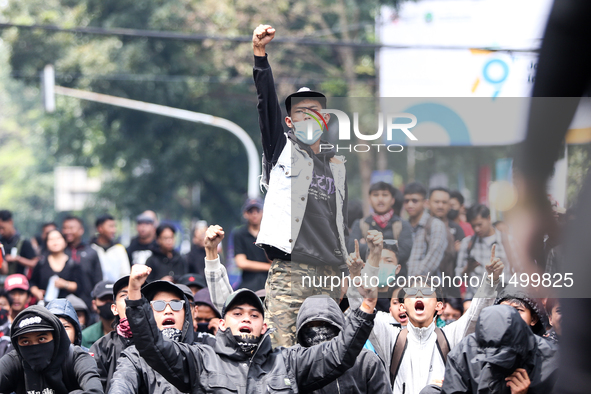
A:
x: 375, y: 242
x: 261, y: 36
x: 138, y: 276
x: 213, y: 236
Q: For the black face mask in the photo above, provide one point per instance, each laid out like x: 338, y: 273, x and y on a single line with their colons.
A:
x: 204, y: 327
x: 248, y: 343
x: 37, y: 356
x: 453, y: 214
x: 105, y: 312
x: 314, y: 335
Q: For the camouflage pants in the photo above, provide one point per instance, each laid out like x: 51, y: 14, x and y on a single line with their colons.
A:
x: 288, y: 285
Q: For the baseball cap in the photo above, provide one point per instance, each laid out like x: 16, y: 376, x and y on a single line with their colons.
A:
x: 305, y: 93
x: 152, y: 288
x: 101, y: 289
x: 188, y: 293
x: 77, y: 303
x: 16, y: 281
x: 144, y: 219
x: 31, y: 322
x: 202, y: 297
x: 243, y: 296
x: 120, y: 284
x: 193, y: 280
x: 252, y: 203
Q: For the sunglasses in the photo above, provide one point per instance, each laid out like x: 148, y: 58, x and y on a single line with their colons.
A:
x: 391, y: 244
x: 412, y: 291
x: 160, y: 305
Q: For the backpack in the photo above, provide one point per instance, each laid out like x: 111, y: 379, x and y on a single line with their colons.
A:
x: 396, y: 228
x: 400, y: 348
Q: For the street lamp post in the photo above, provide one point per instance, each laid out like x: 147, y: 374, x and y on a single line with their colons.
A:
x: 254, y: 168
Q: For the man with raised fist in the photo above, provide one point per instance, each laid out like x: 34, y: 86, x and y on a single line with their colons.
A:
x: 305, y: 212
x: 243, y: 357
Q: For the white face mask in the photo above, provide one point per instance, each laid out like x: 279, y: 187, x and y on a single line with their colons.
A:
x: 307, y: 131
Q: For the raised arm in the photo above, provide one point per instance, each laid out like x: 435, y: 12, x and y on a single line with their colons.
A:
x: 485, y: 296
x: 173, y: 360
x: 270, y: 118
x: 215, y: 273
x: 357, y: 268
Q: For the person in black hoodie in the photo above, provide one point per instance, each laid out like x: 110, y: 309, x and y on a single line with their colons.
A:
x: 44, y: 360
x: 242, y: 358
x: 108, y: 348
x: 503, y: 355
x: 166, y: 263
x: 320, y: 320
x: 307, y: 240
x: 133, y: 374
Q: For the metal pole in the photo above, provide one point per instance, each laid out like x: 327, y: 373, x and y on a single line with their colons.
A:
x: 254, y: 169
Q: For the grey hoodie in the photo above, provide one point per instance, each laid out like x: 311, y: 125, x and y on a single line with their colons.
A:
x: 367, y: 375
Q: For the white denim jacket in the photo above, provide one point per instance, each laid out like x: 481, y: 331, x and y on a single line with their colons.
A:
x: 287, y: 195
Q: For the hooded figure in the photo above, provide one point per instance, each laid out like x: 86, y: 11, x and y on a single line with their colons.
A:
x: 53, y: 366
x: 62, y: 308
x: 133, y: 374
x: 501, y: 344
x: 320, y: 319
x: 513, y: 295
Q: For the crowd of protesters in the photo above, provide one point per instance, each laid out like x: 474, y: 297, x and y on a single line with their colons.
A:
x: 101, y: 317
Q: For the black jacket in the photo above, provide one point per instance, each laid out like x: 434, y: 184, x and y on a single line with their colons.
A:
x: 88, y: 259
x: 71, y: 368
x: 501, y: 344
x: 224, y: 368
x: 368, y: 375
x: 162, y: 265
x: 134, y: 375
x: 107, y: 351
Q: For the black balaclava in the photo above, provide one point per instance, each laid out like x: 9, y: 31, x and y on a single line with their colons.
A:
x: 38, y: 357
x: 42, y: 364
x: 318, y: 334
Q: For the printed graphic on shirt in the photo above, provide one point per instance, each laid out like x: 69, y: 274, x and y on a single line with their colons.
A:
x: 321, y: 187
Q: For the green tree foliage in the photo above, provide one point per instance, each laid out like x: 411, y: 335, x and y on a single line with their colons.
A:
x: 26, y: 169
x: 154, y: 162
